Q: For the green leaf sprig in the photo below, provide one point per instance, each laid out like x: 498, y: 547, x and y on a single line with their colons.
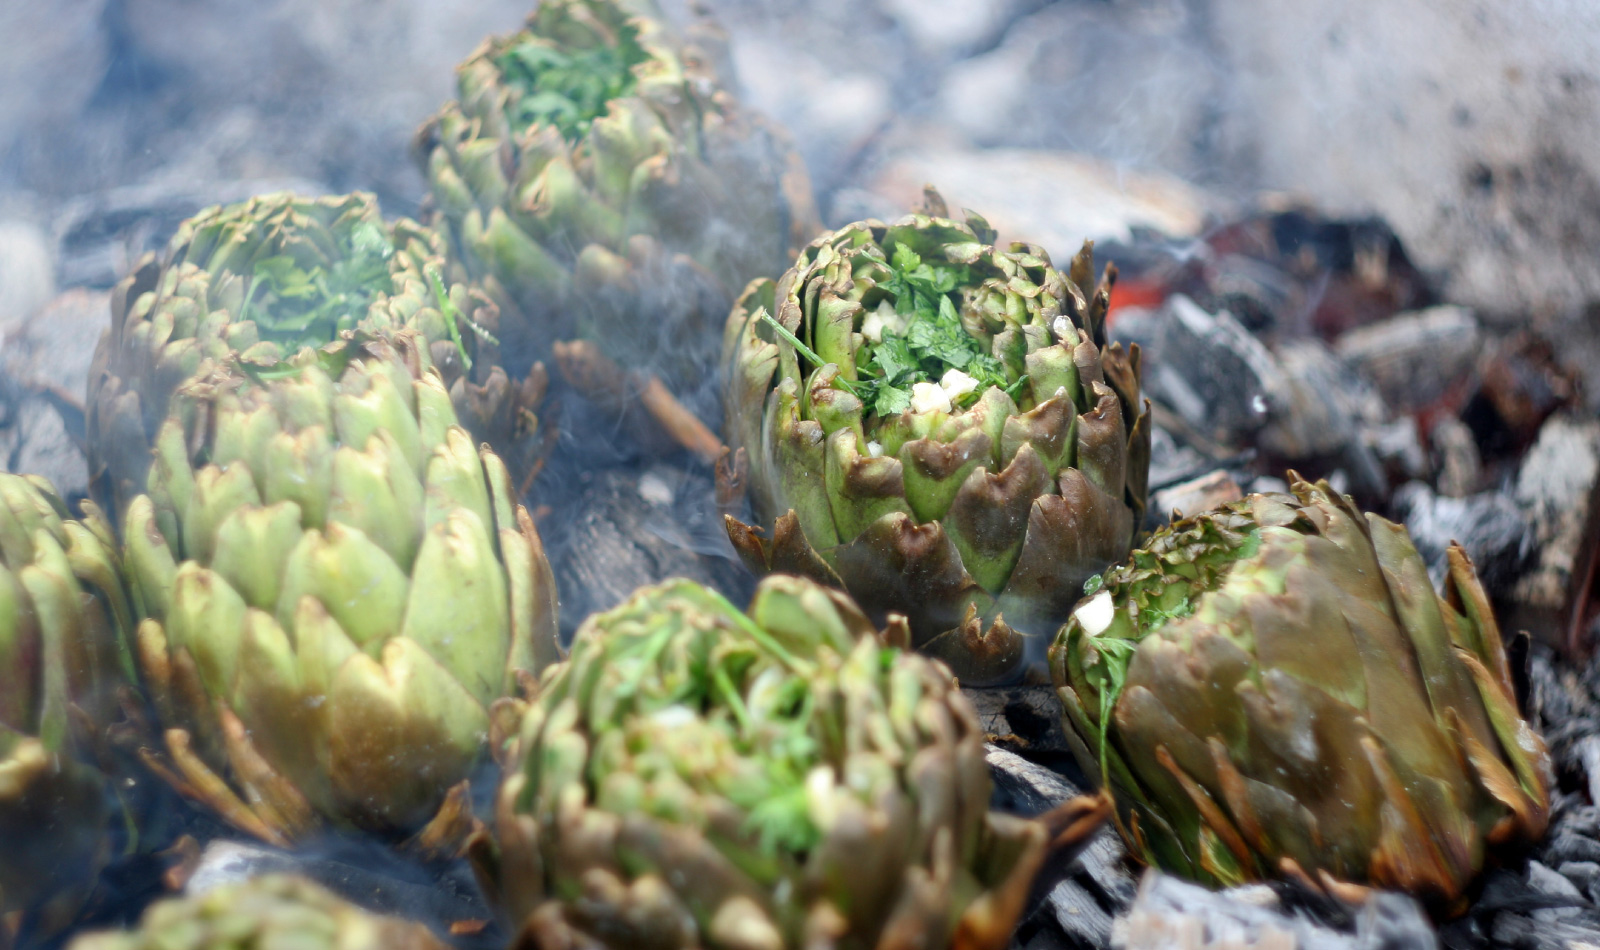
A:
x: 1108, y: 673
x: 453, y: 317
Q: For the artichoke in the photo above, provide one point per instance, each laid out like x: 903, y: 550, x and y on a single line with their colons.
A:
x: 64, y: 622
x: 945, y: 427
x: 1274, y: 687
x: 594, y: 172
x: 270, y: 912
x: 261, y: 279
x: 336, y: 583
x: 694, y: 776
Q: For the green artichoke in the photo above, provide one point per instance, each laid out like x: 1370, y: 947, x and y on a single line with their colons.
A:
x: 595, y: 173
x: 945, y: 427
x: 274, y: 912
x: 1274, y: 687
x: 694, y: 776
x: 261, y: 279
x: 65, y: 620
x: 336, y: 584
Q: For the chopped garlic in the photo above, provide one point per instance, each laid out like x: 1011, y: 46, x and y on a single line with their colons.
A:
x: 928, y: 397
x: 820, y: 802
x: 956, y: 384
x: 881, y: 319
x: 1096, y: 615
x: 875, y: 449
x: 1061, y: 326
x: 673, y: 717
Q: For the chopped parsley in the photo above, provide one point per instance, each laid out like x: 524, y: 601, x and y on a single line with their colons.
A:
x: 297, y: 306
x: 928, y: 340
x: 568, y: 88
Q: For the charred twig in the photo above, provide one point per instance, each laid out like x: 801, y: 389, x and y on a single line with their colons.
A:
x: 641, y: 400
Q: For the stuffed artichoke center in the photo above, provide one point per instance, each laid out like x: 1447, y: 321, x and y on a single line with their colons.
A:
x: 306, y: 281
x: 569, y: 79
x: 925, y: 333
x: 726, y: 712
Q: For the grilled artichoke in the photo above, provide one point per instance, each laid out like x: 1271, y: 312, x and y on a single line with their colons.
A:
x: 945, y: 427
x: 336, y: 583
x: 271, y: 912
x: 594, y: 171
x: 1274, y: 687
x: 694, y: 776
x: 65, y: 620
x: 261, y: 279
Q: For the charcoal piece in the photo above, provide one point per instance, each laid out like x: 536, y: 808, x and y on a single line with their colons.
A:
x: 1022, y: 787
x: 629, y: 528
x: 1524, y: 932
x: 1082, y: 920
x: 99, y: 235
x: 1207, y: 368
x: 1397, y: 446
x: 1171, y: 463
x: 1020, y: 718
x: 1553, y: 697
x: 1521, y: 383
x: 1326, y: 403
x: 1490, y: 526
x: 1197, y: 494
x: 36, y: 436
x: 1416, y: 359
x: 1583, y: 820
x: 55, y: 347
x: 1169, y: 913
x: 1559, y: 486
x: 1583, y: 875
x: 1267, y: 484
x: 1546, y: 881
x: 368, y: 875
x: 1460, y: 463
x: 1565, y: 846
x: 1077, y: 909
x: 1327, y: 418
x: 1586, y: 752
x: 27, y: 274
x: 45, y: 368
x: 1031, y: 788
x: 1260, y: 294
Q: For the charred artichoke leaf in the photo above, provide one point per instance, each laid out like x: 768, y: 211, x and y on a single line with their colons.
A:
x: 697, y: 776
x: 336, y: 584
x: 932, y: 413
x: 1274, y: 687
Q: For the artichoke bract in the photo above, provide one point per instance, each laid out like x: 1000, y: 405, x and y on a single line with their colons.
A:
x: 596, y: 173
x: 1274, y: 688
x: 270, y: 912
x: 65, y: 619
x: 694, y: 776
x: 259, y: 280
x: 336, y: 583
x: 938, y: 427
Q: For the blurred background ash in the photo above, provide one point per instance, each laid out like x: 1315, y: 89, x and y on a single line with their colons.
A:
x: 1468, y: 125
